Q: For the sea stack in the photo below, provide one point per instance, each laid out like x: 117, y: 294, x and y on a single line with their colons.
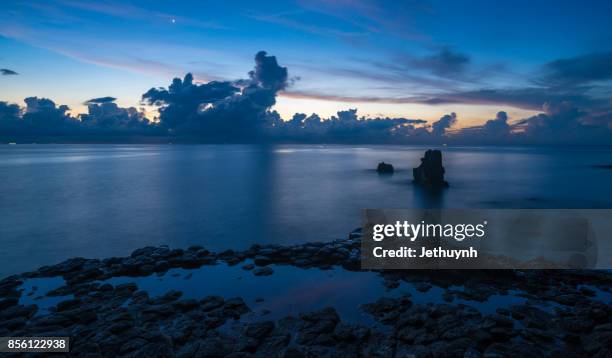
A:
x: 431, y: 172
x: 385, y: 168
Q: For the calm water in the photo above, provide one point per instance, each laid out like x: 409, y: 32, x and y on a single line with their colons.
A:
x: 60, y: 201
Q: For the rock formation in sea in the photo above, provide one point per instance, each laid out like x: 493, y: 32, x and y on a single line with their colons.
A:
x: 431, y: 172
x: 385, y: 168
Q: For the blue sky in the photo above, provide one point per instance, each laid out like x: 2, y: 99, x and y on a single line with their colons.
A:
x: 383, y: 58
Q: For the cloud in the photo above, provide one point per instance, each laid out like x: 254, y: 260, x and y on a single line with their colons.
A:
x: 9, y: 117
x: 240, y: 111
x: 497, y: 127
x: 444, y: 63
x: 390, y: 19
x: 106, y: 117
x: 42, y: 117
x: 267, y: 73
x: 100, y: 100
x: 284, y: 20
x: 524, y: 98
x: 566, y: 123
x: 439, y: 127
x: 7, y: 72
x: 577, y: 70
x: 221, y: 111
x: 43, y: 120
x: 345, y: 127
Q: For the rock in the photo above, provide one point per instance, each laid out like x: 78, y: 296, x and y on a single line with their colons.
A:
x: 248, y: 267
x: 8, y: 302
x: 210, y: 303
x: 161, y: 266
x: 261, y: 260
x: 259, y: 330
x: 293, y: 352
x: 430, y: 172
x: 186, y: 305
x: 422, y: 286
x: 317, y: 326
x: 19, y: 311
x: 263, y: 271
x: 384, y: 168
x: 68, y: 304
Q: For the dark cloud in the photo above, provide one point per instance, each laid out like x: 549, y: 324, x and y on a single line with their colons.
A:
x: 439, y: 127
x: 221, y: 111
x: 108, y: 117
x: 43, y: 120
x: 532, y: 98
x: 493, y: 131
x: 444, y: 63
x: 9, y: 118
x: 577, y: 70
x: 345, y: 127
x: 100, y: 100
x: 267, y: 73
x: 560, y: 124
x: 7, y: 72
x: 497, y: 127
x: 563, y: 123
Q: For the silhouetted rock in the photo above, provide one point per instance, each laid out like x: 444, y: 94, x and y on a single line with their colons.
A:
x: 384, y: 168
x: 430, y: 172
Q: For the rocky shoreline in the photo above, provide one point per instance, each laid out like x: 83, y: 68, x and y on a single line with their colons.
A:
x: 122, y: 320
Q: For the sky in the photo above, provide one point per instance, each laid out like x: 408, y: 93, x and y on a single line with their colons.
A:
x: 409, y: 59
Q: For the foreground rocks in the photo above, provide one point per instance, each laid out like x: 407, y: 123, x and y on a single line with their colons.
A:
x: 430, y: 172
x: 122, y: 320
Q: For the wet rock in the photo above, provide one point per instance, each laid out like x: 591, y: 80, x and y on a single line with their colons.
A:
x: 293, y: 352
x: 263, y: 271
x: 14, y: 324
x: 235, y: 307
x: 598, y: 340
x: 302, y: 262
x: 317, y: 327
x: 248, y: 267
x: 68, y: 304
x: 430, y: 172
x: 213, y: 347
x: 422, y: 286
x: 274, y: 344
x: 261, y: 260
x: 120, y: 326
x: 211, y: 302
x: 384, y: 168
x: 161, y: 266
x: 259, y: 330
x: 8, y: 302
x: 190, y: 260
x: 168, y: 297
x: 18, y: 311
x: 186, y: 305
x: 132, y: 345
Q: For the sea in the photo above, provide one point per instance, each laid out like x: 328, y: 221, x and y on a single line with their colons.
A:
x: 96, y: 201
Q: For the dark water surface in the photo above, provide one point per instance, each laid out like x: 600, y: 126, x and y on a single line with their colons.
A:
x: 61, y: 201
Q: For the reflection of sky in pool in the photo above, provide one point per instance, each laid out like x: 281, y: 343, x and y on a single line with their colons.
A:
x: 289, y: 291
x: 35, y: 289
